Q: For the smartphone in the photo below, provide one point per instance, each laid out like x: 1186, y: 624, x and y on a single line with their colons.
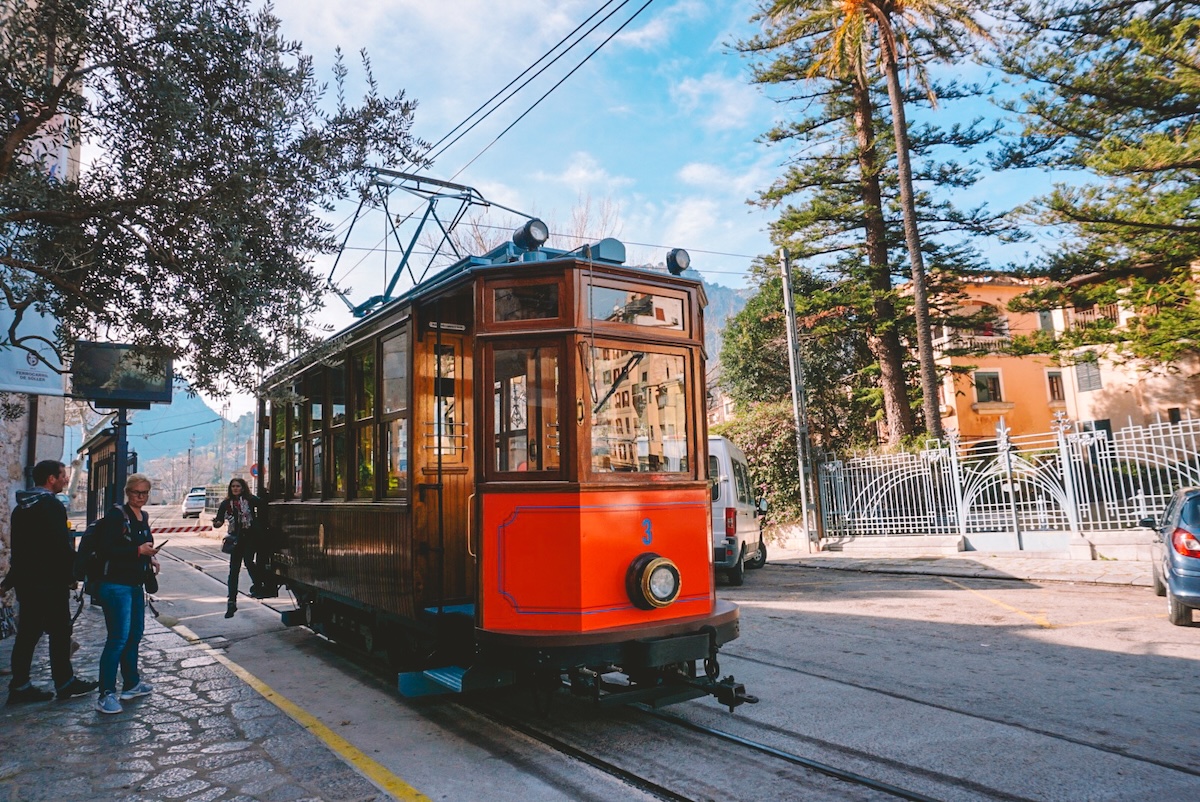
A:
x: 160, y: 545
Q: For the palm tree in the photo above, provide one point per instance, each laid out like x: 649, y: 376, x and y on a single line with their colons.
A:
x: 851, y: 29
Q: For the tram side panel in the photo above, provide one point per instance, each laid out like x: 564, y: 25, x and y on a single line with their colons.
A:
x: 361, y: 554
x: 558, y: 562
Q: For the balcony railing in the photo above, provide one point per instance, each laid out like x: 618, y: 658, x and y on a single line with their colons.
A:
x: 1086, y: 317
x: 969, y: 341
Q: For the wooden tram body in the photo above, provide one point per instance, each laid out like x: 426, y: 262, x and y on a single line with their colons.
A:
x: 499, y: 475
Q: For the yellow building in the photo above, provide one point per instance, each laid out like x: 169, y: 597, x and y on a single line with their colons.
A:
x: 1089, y: 387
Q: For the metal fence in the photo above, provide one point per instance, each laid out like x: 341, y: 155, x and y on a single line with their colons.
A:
x: 1068, y: 480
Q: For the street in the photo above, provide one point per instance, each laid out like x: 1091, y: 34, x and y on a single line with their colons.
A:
x: 958, y: 688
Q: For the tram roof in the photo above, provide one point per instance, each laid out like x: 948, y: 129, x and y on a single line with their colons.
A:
x: 606, y: 252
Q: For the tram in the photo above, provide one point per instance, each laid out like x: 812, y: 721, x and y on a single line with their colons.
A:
x: 498, y: 478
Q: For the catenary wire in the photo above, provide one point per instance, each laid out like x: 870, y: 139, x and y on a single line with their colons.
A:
x: 523, y: 73
x: 559, y: 83
x: 523, y: 114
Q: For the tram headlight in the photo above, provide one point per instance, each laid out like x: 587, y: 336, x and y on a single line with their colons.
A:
x: 678, y: 260
x: 532, y: 235
x: 652, y: 581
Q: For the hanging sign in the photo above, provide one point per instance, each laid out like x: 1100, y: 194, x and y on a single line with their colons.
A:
x: 21, y: 371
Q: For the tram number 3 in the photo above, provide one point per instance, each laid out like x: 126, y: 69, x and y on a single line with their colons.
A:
x: 649, y: 536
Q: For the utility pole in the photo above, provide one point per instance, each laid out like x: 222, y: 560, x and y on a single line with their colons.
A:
x: 190, y: 447
x: 799, y: 404
x: 220, y: 478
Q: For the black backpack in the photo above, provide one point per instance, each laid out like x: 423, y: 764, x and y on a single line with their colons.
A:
x: 90, y: 566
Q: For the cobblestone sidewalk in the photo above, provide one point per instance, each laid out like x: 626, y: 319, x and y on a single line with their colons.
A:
x: 203, y: 735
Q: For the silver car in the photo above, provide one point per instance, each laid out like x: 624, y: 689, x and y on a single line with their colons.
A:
x: 193, y: 505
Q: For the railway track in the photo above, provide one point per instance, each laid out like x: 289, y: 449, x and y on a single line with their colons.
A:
x: 815, y: 779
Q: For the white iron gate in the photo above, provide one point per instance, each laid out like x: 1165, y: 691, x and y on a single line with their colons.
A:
x: 1066, y: 480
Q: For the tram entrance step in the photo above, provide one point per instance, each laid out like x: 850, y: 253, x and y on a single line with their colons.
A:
x: 452, y: 679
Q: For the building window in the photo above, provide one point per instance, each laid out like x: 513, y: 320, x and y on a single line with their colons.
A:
x: 1046, y: 320
x: 1087, y: 373
x: 987, y: 387
x: 1055, y: 379
x: 1174, y: 415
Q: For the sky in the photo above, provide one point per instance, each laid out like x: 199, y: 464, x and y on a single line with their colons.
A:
x: 661, y: 123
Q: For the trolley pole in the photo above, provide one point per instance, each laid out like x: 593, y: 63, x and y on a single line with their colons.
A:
x: 796, y: 373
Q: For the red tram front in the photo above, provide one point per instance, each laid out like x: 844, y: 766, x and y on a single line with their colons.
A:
x: 501, y: 476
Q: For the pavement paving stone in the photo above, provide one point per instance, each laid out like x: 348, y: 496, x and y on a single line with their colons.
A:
x: 204, y: 735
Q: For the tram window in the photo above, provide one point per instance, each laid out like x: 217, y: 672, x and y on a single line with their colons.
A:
x: 526, y: 302
x: 446, y: 435
x: 525, y: 389
x: 364, y: 384
x: 337, y: 394
x: 395, y: 374
x: 339, y: 462
x: 365, y: 462
x: 396, y: 457
x: 297, y: 469
x: 316, y: 474
x: 279, y: 422
x: 654, y: 439
x: 314, y: 390
x: 613, y: 305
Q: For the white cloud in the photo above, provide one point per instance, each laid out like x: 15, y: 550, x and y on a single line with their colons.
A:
x: 723, y: 103
x: 715, y: 178
x: 584, y: 173
x: 660, y: 28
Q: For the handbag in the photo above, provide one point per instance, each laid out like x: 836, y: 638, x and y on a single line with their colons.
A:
x: 150, y: 580
x: 8, y: 622
x: 229, y: 543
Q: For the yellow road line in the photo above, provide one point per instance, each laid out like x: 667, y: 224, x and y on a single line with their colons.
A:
x: 1040, y: 620
x: 371, y: 769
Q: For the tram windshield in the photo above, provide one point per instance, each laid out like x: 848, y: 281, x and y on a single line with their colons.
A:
x: 639, y: 411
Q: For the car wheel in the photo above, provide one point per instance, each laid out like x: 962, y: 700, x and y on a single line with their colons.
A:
x: 759, y: 559
x: 737, y: 574
x: 1156, y: 579
x: 1177, y: 613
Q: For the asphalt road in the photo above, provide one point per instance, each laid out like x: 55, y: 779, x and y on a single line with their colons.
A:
x: 955, y: 688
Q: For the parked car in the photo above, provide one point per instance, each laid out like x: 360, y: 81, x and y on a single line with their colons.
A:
x: 193, y: 505
x: 1175, y: 568
x: 737, y: 539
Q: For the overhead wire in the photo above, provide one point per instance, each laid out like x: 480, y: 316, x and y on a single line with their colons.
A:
x: 523, y: 73
x: 557, y: 45
x: 557, y: 84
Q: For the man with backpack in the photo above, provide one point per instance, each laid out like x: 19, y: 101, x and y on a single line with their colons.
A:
x: 41, y: 573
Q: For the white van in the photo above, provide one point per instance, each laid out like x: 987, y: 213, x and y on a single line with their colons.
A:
x: 737, y: 540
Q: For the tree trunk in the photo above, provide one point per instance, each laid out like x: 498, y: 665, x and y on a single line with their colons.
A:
x: 912, y: 237
x: 883, y: 338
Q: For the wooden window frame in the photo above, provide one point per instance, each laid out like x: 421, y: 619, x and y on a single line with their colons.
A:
x: 584, y: 319
x: 491, y: 474
x: 488, y: 303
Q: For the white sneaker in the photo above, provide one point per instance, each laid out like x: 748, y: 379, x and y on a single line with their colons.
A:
x: 108, y: 703
x: 141, y: 689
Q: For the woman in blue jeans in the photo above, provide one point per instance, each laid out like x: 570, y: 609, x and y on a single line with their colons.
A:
x: 127, y: 547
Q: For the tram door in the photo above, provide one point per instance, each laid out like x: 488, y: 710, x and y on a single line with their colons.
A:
x: 444, y: 425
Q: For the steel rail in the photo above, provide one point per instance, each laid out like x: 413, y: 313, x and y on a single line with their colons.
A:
x: 808, y: 763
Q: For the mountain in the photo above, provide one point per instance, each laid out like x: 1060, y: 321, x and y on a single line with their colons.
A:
x: 723, y: 303
x: 187, y: 422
